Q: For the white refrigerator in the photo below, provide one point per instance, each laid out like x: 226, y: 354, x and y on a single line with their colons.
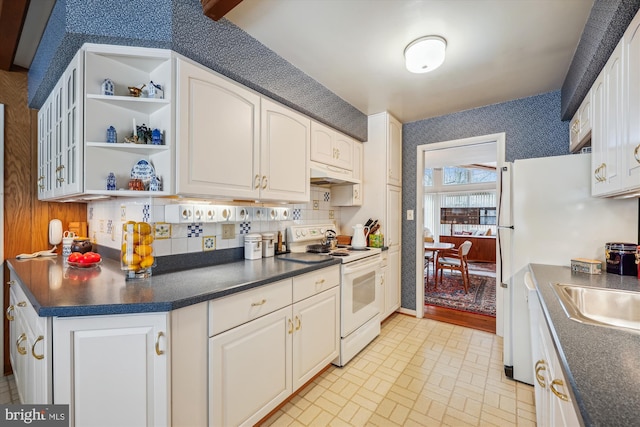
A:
x: 547, y: 216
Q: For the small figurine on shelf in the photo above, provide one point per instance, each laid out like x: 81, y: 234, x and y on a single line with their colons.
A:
x: 135, y: 91
x: 107, y: 87
x: 156, y: 137
x: 155, y: 184
x: 111, y: 135
x: 155, y: 91
x: 144, y: 134
x: 111, y: 181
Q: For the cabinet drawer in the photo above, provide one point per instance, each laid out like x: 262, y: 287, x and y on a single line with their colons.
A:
x: 228, y: 312
x: 23, y: 306
x: 315, y: 282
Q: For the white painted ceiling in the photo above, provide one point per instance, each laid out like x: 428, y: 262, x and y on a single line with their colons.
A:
x: 497, y: 50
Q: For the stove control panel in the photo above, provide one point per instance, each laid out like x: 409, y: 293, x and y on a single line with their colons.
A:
x: 308, y: 233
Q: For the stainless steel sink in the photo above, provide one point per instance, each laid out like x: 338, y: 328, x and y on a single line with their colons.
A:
x: 599, y: 306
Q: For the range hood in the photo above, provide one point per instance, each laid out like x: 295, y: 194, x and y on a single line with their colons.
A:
x: 322, y: 174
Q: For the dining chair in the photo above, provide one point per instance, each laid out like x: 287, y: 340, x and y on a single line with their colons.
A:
x: 454, y: 259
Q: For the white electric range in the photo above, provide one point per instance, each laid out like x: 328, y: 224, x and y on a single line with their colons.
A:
x: 359, y: 286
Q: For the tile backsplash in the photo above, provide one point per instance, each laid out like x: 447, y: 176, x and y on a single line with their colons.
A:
x: 179, y: 232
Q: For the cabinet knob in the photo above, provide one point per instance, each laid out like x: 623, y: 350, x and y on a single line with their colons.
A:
x: 264, y: 182
x: 256, y: 182
x: 319, y: 282
x: 33, y: 348
x: 558, y: 394
x: 636, y: 153
x: 257, y: 304
x: 8, y: 314
x: 22, y: 338
x: 158, y: 351
x: 290, y: 326
x: 41, y: 182
x: 22, y: 304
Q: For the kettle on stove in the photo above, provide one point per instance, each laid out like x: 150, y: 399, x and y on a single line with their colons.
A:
x: 359, y: 240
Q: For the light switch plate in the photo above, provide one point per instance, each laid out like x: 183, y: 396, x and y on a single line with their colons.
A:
x: 409, y: 214
x: 228, y: 231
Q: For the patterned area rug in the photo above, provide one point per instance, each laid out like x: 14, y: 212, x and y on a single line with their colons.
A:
x: 481, y: 298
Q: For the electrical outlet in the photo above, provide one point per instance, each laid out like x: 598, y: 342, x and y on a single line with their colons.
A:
x: 228, y: 231
x: 409, y: 214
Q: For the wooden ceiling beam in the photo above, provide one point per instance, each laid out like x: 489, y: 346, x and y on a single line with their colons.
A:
x: 12, y: 16
x: 216, y: 9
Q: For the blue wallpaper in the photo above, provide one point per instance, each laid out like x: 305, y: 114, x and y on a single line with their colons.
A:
x: 533, y: 129
x: 180, y: 25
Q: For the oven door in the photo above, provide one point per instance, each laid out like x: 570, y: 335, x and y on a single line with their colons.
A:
x: 359, y: 293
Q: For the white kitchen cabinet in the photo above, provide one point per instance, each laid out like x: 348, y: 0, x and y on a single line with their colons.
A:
x: 392, y: 240
x: 284, y: 154
x: 331, y: 147
x: 60, y: 145
x: 389, y: 300
x: 115, y: 361
x: 272, y: 344
x: 607, y: 126
x: 394, y: 151
x: 316, y: 334
x: 233, y: 144
x: 554, y: 406
x: 630, y: 149
x: 350, y: 194
x: 346, y: 195
x: 250, y: 369
x: 74, y: 158
x: 218, y: 126
x: 580, y: 128
x: 384, y: 196
x: 29, y: 348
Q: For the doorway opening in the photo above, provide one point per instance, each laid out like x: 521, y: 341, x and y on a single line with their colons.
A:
x: 457, y: 187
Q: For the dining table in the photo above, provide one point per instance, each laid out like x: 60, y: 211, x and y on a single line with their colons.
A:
x: 434, y: 248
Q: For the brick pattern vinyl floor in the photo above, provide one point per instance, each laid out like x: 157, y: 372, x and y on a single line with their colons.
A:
x: 8, y: 391
x: 418, y: 372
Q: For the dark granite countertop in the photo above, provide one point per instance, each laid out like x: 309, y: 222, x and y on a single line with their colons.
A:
x: 602, y: 364
x: 55, y: 289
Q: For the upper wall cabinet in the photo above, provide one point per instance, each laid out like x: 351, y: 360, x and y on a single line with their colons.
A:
x: 219, y: 132
x: 235, y: 144
x: 394, y: 152
x: 60, y: 145
x: 580, y: 128
x: 284, y: 154
x: 631, y: 142
x: 76, y: 151
x: 607, y: 126
x: 331, y: 147
x: 616, y: 119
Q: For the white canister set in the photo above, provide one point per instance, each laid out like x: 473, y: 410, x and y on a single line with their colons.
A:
x: 257, y: 246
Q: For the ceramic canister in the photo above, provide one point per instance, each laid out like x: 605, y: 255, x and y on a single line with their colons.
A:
x: 252, y: 246
x: 267, y: 244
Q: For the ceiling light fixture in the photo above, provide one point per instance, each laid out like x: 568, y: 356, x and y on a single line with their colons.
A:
x: 425, y: 54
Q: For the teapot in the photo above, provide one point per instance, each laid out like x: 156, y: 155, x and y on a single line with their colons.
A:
x: 359, y: 240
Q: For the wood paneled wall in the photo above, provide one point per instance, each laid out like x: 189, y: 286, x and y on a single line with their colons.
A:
x: 26, y: 224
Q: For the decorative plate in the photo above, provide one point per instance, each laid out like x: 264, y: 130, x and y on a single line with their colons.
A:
x: 143, y: 170
x: 83, y: 265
